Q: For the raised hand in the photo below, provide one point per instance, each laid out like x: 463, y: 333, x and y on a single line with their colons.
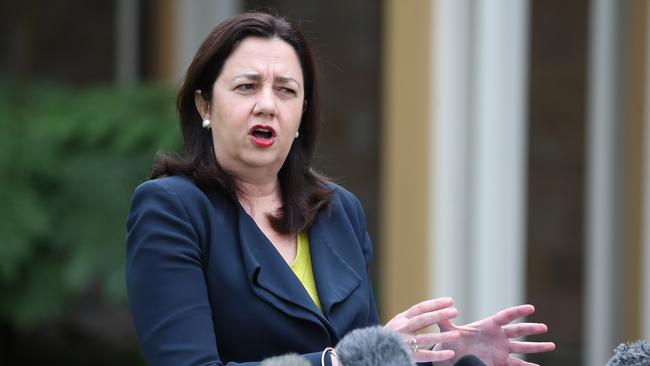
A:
x: 490, y: 339
x: 411, y: 323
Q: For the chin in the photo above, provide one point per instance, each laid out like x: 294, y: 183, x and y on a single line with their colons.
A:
x: 272, y: 163
x: 265, y: 159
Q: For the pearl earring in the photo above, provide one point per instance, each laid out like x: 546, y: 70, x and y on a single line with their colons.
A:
x: 297, y: 134
x: 206, y: 123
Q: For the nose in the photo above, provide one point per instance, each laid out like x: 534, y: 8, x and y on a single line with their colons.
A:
x: 265, y: 104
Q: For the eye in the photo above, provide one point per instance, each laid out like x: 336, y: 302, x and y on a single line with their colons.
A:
x: 286, y: 91
x: 245, y: 87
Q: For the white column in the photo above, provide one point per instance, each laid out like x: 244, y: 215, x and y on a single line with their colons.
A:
x: 602, y: 325
x: 195, y: 19
x: 452, y: 152
x: 480, y: 154
x: 501, y: 154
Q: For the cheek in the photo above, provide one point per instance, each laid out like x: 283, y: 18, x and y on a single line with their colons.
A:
x: 231, y: 120
x: 294, y: 115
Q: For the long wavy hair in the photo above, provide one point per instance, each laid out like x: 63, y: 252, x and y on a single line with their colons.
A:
x: 304, y: 192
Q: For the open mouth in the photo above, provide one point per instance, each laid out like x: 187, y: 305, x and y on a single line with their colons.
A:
x: 262, y: 132
x: 262, y: 136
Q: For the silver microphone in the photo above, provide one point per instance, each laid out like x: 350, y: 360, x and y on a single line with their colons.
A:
x: 631, y: 354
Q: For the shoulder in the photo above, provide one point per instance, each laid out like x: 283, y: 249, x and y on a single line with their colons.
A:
x: 177, y: 194
x: 347, y: 210
x: 176, y: 185
x: 175, y: 201
x: 177, y: 188
x: 346, y: 202
x: 341, y: 196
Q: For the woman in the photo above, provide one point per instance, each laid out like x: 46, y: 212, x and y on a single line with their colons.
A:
x: 240, y: 251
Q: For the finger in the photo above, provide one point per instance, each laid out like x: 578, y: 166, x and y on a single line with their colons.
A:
x: 517, y: 362
x: 524, y: 329
x: 432, y: 356
x: 508, y: 315
x: 531, y: 347
x: 427, y: 319
x: 426, y: 340
x: 446, y: 326
x: 428, y: 306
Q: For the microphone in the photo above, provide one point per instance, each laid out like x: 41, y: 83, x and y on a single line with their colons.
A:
x: 631, y: 354
x: 291, y: 359
x: 371, y: 347
x: 469, y: 360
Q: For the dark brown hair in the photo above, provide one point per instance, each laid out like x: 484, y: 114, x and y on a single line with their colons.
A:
x: 303, y: 191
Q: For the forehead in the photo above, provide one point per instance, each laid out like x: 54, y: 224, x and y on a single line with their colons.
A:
x: 262, y: 55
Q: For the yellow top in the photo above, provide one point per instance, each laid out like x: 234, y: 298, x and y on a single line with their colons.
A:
x: 301, y: 266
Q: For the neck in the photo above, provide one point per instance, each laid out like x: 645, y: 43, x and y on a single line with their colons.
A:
x: 259, y: 190
x: 261, y: 194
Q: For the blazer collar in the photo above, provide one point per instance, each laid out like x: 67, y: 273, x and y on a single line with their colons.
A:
x: 274, y: 281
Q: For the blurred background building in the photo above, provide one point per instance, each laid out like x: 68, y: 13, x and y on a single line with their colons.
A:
x: 501, y: 149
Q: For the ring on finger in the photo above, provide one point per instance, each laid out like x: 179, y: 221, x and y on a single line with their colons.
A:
x: 413, y: 344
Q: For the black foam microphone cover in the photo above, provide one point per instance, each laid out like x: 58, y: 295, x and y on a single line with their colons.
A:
x: 286, y: 360
x: 373, y: 346
x: 469, y: 360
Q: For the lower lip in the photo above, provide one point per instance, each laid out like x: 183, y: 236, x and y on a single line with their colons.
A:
x: 262, y: 142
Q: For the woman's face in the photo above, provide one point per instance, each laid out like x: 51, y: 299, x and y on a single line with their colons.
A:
x: 256, y: 106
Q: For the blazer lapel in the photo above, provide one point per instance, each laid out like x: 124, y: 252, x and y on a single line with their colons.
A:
x: 335, y: 278
x: 271, y: 278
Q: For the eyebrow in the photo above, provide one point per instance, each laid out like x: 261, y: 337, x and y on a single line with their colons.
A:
x: 257, y: 77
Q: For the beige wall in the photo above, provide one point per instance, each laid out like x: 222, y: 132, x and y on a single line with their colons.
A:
x: 405, y: 155
x: 161, y: 46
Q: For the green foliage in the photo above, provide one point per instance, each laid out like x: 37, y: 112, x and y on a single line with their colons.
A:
x: 69, y: 161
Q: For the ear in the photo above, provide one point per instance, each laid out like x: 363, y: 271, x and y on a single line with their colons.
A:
x: 202, y: 105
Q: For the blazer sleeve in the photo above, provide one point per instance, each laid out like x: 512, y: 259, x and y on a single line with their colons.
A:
x: 165, y: 282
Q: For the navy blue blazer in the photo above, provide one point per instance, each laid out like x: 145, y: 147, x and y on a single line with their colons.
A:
x: 206, y: 287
